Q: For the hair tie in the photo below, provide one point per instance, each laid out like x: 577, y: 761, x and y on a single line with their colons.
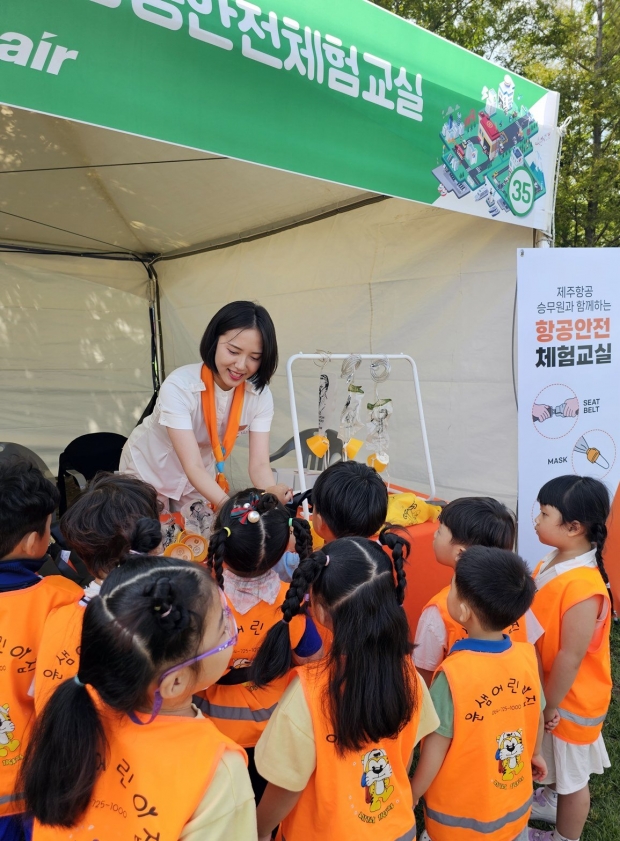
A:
x: 290, y: 522
x: 78, y: 681
x: 326, y: 560
x: 227, y: 530
x: 246, y: 512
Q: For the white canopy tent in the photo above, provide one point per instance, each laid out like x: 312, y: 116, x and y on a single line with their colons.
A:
x: 338, y: 269
x: 111, y: 243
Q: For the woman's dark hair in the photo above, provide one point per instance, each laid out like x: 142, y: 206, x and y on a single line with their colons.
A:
x: 115, y: 514
x: 496, y: 584
x: 585, y: 500
x: 479, y: 521
x: 372, y: 689
x: 351, y: 498
x: 150, y: 614
x: 254, y: 548
x: 27, y: 499
x: 243, y: 315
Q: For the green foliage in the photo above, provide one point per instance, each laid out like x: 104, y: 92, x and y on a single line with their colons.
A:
x: 570, y: 46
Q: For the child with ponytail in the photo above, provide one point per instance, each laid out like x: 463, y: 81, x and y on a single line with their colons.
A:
x: 338, y: 748
x: 120, y: 751
x: 573, y: 603
x: 251, y: 533
x: 115, y: 515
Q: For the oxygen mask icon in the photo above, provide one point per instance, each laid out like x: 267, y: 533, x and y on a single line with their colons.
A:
x: 593, y: 455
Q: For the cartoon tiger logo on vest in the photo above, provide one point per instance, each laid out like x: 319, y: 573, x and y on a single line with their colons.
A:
x: 509, y: 754
x: 376, y: 778
x: 7, y: 742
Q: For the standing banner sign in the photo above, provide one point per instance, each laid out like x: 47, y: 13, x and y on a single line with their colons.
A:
x: 568, y: 305
x: 344, y: 91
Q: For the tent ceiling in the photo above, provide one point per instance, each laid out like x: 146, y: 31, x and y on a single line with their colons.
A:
x: 73, y: 186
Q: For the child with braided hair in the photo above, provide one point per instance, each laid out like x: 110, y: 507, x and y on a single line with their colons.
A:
x: 250, y: 535
x: 573, y: 603
x: 338, y: 748
x: 116, y: 515
x: 120, y: 750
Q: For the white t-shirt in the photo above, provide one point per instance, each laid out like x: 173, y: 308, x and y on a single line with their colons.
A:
x: 148, y: 452
x: 431, y: 637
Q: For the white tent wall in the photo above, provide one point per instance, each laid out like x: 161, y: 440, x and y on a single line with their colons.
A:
x: 74, y: 349
x: 392, y: 277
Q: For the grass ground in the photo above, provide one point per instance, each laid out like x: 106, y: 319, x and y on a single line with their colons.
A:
x: 604, y: 820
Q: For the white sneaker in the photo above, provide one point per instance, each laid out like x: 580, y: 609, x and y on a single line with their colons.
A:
x: 542, y: 809
x: 539, y: 835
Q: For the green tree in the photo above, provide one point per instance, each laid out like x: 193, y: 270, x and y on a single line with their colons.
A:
x: 575, y: 50
x: 570, y: 46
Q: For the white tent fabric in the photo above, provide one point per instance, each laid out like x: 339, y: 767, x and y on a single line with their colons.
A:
x: 74, y: 349
x: 394, y: 277
x: 391, y: 276
x: 75, y: 186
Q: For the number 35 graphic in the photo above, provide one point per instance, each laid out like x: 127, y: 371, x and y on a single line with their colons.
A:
x: 521, y: 193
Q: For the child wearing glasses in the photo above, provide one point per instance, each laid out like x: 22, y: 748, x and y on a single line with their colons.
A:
x: 251, y: 533
x: 115, y: 515
x: 120, y: 751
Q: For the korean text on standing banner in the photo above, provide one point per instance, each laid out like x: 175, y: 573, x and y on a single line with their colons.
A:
x: 568, y: 307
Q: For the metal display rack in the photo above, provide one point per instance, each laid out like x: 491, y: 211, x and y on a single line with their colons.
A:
x: 370, y: 356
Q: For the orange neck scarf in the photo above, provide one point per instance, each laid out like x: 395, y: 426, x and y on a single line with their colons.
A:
x: 222, y: 450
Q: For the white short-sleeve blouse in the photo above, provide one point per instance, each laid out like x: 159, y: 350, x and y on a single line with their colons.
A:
x: 149, y: 452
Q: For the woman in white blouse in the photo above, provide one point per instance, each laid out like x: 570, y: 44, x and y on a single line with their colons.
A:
x: 205, y: 406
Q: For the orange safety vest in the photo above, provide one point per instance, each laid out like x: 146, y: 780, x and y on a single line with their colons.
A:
x: 455, y: 632
x: 584, y: 707
x: 22, y: 617
x: 153, y: 779
x: 242, y: 710
x: 484, y: 787
x: 363, y: 794
x: 59, y: 652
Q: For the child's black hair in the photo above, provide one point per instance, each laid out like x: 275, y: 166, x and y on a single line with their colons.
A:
x: 496, y: 584
x: 585, y: 500
x: 27, y: 499
x: 479, y: 521
x: 254, y: 548
x: 150, y: 614
x: 243, y: 315
x: 115, y: 514
x: 372, y: 691
x: 351, y: 498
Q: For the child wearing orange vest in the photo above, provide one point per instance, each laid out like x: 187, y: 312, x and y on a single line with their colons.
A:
x: 573, y: 603
x: 27, y: 501
x: 120, y: 750
x: 115, y: 515
x: 338, y: 748
x: 464, y: 522
x: 251, y: 533
x: 476, y: 770
x: 349, y: 499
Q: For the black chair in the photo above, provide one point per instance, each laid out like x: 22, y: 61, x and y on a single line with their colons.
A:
x: 84, y: 457
x: 10, y: 451
x: 311, y: 462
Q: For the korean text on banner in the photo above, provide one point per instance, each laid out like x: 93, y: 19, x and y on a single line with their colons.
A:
x: 568, y: 305
x: 344, y: 91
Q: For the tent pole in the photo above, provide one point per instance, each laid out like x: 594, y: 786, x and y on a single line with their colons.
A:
x: 159, y: 369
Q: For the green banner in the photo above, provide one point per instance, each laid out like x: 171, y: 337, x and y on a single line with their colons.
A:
x: 336, y: 89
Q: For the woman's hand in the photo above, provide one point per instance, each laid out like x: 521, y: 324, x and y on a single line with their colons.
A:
x: 282, y: 491
x: 186, y: 447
